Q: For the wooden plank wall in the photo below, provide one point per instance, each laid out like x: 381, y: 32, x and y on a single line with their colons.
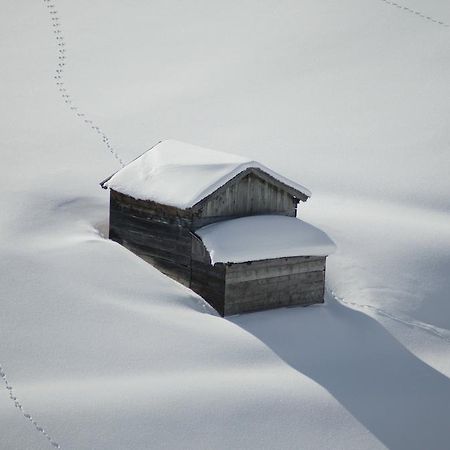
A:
x: 250, y: 195
x: 273, y: 283
x: 207, y: 280
x: 163, y: 236
x: 158, y: 234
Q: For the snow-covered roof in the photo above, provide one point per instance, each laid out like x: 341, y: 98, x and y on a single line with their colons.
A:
x: 179, y: 174
x: 263, y: 237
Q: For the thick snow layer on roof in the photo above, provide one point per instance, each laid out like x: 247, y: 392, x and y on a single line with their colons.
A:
x: 263, y: 237
x: 179, y: 174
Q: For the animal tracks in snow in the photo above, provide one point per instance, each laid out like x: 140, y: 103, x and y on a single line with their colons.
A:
x: 417, y: 13
x: 25, y: 414
x: 410, y: 323
x: 61, y: 85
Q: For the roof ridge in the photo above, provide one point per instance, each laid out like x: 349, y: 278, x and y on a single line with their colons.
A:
x: 167, y: 174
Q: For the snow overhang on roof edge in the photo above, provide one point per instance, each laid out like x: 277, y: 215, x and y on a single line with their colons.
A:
x: 183, y: 175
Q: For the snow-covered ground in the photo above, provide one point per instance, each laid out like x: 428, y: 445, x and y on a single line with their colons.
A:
x: 348, y: 98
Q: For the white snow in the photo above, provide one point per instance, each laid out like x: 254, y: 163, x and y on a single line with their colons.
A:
x: 108, y: 354
x: 263, y: 237
x: 179, y: 174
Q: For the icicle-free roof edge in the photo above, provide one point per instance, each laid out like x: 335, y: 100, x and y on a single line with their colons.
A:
x: 255, y: 238
x: 182, y: 175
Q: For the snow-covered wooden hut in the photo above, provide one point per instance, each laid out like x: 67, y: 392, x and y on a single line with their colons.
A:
x: 221, y: 224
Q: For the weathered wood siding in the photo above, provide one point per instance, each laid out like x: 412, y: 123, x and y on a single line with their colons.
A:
x: 164, y: 236
x: 272, y: 283
x: 161, y: 236
x: 207, y: 280
x: 158, y: 234
x: 246, y: 196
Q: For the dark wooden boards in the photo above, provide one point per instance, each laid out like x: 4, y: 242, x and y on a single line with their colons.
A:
x: 209, y: 282
x: 249, y: 193
x: 165, y: 237
x: 158, y: 234
x: 272, y: 283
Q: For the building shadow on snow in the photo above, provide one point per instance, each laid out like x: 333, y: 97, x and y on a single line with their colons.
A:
x: 401, y: 400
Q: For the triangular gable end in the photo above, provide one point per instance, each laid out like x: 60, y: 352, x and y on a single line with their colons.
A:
x: 258, y: 173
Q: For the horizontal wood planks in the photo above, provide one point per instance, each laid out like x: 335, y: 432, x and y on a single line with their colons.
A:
x: 177, y: 271
x: 209, y: 282
x: 273, y: 283
x: 164, y: 236
x: 156, y: 233
x: 278, y: 267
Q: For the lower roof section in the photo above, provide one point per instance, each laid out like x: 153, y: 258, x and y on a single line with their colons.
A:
x: 263, y: 237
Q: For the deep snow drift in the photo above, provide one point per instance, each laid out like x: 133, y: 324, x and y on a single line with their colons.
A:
x: 103, y: 351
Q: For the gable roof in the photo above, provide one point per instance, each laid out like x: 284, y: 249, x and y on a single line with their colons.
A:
x: 181, y: 175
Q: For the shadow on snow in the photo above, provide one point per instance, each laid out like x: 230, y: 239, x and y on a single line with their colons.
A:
x: 401, y: 400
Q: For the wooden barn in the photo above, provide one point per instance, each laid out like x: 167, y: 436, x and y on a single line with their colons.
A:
x: 221, y: 224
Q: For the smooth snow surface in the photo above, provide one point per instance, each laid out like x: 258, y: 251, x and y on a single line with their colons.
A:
x: 179, y: 174
x: 105, y: 352
x: 263, y: 237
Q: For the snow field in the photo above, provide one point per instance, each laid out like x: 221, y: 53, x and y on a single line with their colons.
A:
x: 105, y: 352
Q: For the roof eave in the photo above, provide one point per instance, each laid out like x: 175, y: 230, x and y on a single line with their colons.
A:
x: 102, y: 183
